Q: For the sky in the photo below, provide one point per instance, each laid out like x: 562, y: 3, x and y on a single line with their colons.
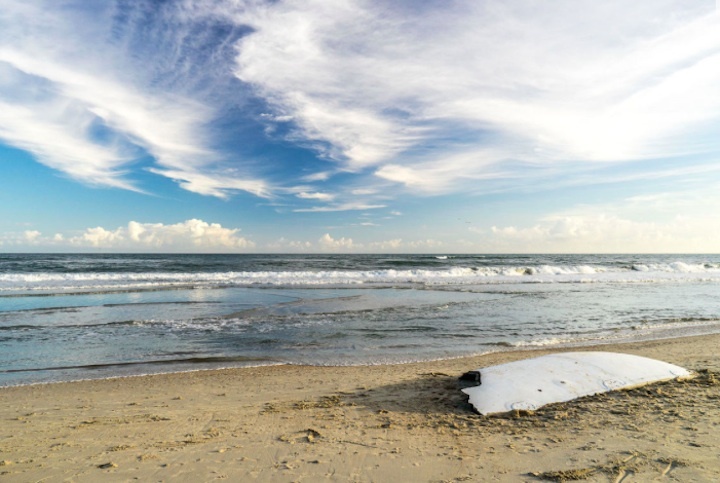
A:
x: 360, y: 126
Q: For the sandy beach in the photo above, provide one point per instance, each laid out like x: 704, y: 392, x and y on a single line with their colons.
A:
x: 379, y: 423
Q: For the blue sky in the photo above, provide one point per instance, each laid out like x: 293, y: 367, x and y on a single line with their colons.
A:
x: 359, y: 126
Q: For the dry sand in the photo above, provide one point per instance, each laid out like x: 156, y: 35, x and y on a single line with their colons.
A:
x: 382, y: 423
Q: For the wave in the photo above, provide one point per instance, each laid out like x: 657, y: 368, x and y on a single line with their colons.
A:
x: 650, y: 272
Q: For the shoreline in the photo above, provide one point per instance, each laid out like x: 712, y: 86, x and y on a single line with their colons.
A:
x: 359, y: 423
x: 529, y: 349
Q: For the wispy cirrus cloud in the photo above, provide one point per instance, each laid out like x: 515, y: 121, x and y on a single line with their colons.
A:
x: 432, y: 97
x: 349, y: 206
x: 220, y: 183
x: 315, y: 196
x: 437, y: 96
x: 80, y: 95
x: 41, y: 130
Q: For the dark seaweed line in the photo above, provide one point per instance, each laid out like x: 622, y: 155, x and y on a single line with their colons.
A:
x: 128, y: 304
x: 190, y: 360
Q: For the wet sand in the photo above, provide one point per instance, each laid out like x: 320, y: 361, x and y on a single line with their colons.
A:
x: 381, y: 423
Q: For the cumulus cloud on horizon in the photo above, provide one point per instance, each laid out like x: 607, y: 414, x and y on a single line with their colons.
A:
x: 601, y: 233
x: 662, y: 222
x: 191, y: 235
x: 199, y: 236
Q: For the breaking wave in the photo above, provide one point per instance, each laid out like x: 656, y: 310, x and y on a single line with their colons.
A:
x: 632, y: 273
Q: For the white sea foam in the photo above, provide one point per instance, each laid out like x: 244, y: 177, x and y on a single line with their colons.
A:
x: 552, y: 341
x: 658, y: 272
x: 676, y: 267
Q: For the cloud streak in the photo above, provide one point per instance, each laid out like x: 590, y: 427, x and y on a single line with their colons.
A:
x: 437, y: 96
x: 350, y: 206
x: 92, y: 118
x: 418, y: 98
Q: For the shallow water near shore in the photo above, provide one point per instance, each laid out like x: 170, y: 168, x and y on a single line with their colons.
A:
x: 67, y: 317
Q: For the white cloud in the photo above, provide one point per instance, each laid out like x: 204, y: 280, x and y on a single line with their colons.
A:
x: 327, y: 242
x: 350, y: 206
x: 24, y: 238
x: 433, y: 96
x: 188, y: 236
x: 290, y: 246
x: 292, y: 35
x: 603, y: 234
x: 321, y: 176
x: 433, y: 176
x: 316, y: 196
x: 393, y: 245
x: 99, y: 237
x: 481, y: 85
x: 61, y: 145
x: 31, y: 236
x: 363, y: 191
x: 193, y: 235
x: 90, y: 108
x: 670, y: 222
x: 425, y: 244
x: 219, y: 184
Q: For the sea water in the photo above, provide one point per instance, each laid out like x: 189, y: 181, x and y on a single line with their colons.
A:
x: 68, y: 317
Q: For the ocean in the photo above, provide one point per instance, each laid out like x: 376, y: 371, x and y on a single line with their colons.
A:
x: 77, y: 316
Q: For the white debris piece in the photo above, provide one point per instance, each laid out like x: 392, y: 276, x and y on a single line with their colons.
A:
x: 532, y: 383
